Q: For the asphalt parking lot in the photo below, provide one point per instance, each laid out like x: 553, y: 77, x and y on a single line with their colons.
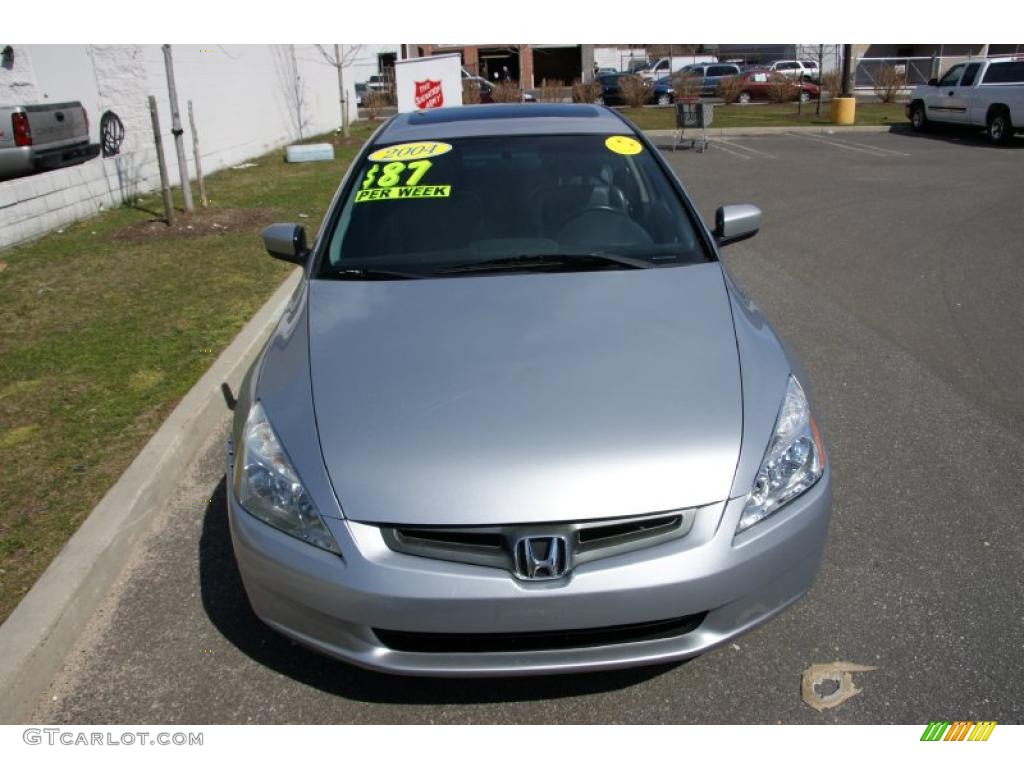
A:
x: 892, y: 264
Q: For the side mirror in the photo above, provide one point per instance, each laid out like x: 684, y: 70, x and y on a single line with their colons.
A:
x: 736, y: 222
x: 933, y: 82
x: 286, y: 242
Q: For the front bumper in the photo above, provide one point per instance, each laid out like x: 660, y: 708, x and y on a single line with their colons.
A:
x: 333, y: 604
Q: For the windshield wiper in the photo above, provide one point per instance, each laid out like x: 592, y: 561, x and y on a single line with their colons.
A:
x: 575, y: 261
x: 372, y: 274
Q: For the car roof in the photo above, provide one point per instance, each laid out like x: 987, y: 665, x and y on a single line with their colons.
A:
x: 501, y: 120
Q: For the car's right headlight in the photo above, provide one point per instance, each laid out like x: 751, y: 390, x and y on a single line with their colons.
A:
x: 794, y: 461
x: 268, y: 486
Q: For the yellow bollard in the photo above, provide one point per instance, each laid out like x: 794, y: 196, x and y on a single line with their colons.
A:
x: 844, y: 110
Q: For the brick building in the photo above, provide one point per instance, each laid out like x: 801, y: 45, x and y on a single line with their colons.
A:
x: 528, y: 63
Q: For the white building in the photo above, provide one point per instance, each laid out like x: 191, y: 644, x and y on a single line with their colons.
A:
x: 248, y: 99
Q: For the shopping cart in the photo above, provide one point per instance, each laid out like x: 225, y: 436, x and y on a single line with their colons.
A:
x: 693, y: 114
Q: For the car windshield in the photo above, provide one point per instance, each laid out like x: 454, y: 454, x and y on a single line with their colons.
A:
x: 526, y: 203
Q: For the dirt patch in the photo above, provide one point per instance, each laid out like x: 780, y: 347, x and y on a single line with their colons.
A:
x: 200, y: 223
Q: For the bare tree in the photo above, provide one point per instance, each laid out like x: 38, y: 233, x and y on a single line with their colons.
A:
x: 889, y: 82
x: 339, y: 59
x: 586, y: 92
x: 635, y: 90
x: 293, y: 89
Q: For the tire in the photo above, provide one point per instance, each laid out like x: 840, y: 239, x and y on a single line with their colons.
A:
x: 998, y: 127
x: 918, y: 118
x: 804, y: 96
x: 664, y: 100
x: 744, y: 98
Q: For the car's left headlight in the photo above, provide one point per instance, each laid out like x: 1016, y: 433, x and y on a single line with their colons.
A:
x: 268, y: 486
x: 794, y: 461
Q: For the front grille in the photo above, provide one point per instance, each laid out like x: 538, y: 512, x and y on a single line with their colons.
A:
x: 508, y: 642
x: 494, y: 546
x: 604, y: 535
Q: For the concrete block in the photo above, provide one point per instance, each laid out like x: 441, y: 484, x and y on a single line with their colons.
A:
x: 308, y: 153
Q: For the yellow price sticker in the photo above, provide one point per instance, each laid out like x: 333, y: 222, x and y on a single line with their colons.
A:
x: 390, y: 174
x: 623, y: 145
x: 415, y: 150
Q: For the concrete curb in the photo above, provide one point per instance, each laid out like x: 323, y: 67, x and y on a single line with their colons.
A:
x: 37, y: 636
x: 775, y: 130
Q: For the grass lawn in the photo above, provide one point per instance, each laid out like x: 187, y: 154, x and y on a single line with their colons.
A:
x: 750, y: 115
x: 107, y: 324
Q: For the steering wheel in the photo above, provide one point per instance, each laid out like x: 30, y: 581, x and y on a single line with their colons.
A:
x: 626, y: 230
x: 581, y: 213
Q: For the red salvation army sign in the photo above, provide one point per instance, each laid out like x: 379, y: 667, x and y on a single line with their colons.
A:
x: 428, y: 94
x: 428, y: 82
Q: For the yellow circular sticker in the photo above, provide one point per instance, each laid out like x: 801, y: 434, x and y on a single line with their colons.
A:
x: 416, y: 150
x: 623, y: 145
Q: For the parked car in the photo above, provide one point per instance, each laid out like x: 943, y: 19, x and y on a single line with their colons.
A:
x: 606, y: 71
x: 518, y: 418
x: 662, y: 91
x: 360, y: 93
x: 611, y: 93
x: 985, y: 94
x: 42, y: 137
x: 757, y: 86
x: 711, y: 75
x: 378, y: 83
x: 798, y: 68
x: 669, y: 64
x: 485, y: 87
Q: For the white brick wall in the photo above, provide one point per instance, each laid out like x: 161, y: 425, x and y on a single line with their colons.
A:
x: 17, y: 83
x: 243, y: 101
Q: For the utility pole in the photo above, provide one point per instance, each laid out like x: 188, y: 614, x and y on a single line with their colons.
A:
x: 847, y: 59
x: 821, y: 73
x: 177, y: 131
x: 341, y: 90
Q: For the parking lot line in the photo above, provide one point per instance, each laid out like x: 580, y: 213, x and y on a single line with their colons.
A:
x: 723, y: 145
x: 745, y: 148
x: 884, y: 150
x: 866, y: 149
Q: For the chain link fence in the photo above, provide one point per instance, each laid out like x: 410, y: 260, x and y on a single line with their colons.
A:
x: 917, y: 70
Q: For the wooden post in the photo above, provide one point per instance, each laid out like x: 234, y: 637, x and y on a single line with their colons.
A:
x: 341, y: 90
x: 165, y: 186
x: 195, y: 152
x: 176, y: 131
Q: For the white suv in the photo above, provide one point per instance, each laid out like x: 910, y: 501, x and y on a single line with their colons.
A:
x: 798, y: 68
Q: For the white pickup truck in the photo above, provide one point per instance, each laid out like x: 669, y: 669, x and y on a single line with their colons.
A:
x: 986, y: 93
x: 669, y: 64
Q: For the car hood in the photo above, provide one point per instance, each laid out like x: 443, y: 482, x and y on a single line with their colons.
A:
x: 526, y: 398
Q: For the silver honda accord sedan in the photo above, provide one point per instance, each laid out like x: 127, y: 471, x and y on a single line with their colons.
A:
x: 518, y: 418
